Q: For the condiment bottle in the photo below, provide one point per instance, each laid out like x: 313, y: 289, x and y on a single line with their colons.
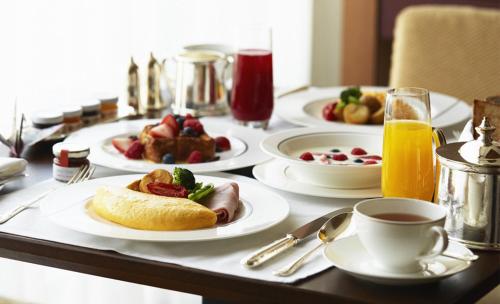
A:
x: 68, y: 158
x: 46, y: 119
x: 154, y: 100
x: 109, y: 108
x: 72, y: 118
x: 91, y: 112
x: 134, y: 97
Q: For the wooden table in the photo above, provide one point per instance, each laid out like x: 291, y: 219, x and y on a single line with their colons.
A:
x: 331, y: 286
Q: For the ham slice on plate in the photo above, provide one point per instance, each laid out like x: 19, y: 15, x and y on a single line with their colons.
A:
x: 224, y: 201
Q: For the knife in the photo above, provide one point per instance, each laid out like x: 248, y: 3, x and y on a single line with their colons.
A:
x: 291, y: 239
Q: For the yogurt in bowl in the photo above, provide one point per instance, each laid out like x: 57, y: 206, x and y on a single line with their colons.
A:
x: 327, y: 158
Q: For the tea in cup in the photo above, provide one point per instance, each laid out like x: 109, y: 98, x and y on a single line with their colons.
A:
x: 398, y: 233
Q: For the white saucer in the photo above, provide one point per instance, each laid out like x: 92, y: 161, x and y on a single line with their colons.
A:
x: 349, y: 255
x: 279, y: 175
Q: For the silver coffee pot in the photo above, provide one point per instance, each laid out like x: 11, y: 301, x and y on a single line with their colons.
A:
x: 199, y: 87
x: 469, y: 188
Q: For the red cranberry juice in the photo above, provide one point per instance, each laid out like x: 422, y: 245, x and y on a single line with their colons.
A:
x: 252, y: 94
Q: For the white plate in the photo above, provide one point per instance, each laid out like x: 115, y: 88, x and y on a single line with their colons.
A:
x: 349, y: 255
x: 304, y: 108
x: 244, y: 151
x: 290, y: 144
x: 67, y: 207
x: 279, y: 175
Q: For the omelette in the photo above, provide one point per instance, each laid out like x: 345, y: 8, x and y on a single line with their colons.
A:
x: 150, y: 212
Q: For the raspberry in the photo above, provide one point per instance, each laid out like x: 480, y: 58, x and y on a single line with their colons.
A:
x: 194, y: 124
x: 195, y: 157
x: 328, y: 111
x: 370, y: 162
x: 222, y: 143
x: 358, y: 151
x: 307, y: 156
x: 372, y: 157
x: 135, y: 150
x: 339, y: 157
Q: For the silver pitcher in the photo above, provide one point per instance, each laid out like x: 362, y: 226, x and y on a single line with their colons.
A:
x: 469, y: 188
x: 199, y: 87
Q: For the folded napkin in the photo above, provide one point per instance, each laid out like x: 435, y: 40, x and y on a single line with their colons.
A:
x: 11, y: 166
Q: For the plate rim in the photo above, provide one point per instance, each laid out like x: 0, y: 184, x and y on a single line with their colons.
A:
x: 52, y: 215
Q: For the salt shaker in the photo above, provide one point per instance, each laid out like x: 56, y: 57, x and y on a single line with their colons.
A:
x: 154, y: 99
x: 133, y: 89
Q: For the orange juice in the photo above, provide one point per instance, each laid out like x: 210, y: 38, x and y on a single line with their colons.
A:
x: 407, y: 167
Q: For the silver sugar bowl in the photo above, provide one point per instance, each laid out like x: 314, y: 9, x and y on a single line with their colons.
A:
x: 469, y: 188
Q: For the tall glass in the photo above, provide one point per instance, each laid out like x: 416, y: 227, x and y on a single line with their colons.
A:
x: 252, y: 93
x: 407, y: 167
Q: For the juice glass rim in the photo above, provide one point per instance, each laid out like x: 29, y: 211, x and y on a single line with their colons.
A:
x: 408, y: 91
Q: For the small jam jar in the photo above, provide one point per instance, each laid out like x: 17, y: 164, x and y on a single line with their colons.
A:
x: 68, y: 158
x: 46, y: 119
x: 72, y: 117
x: 91, y: 112
x: 109, y: 108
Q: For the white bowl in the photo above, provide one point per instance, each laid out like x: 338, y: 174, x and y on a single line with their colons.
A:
x: 289, y: 145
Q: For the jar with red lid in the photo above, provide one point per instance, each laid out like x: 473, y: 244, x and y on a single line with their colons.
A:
x: 68, y: 158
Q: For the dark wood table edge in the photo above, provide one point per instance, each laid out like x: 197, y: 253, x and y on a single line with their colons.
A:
x: 109, y: 264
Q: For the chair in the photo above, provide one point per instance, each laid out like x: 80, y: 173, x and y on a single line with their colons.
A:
x: 449, y: 49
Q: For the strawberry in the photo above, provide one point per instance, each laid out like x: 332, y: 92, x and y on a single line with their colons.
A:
x: 172, y: 123
x: 188, y: 116
x: 222, y: 143
x: 135, y: 150
x: 339, y: 157
x: 195, y: 157
x: 307, y: 156
x: 370, y: 162
x: 170, y: 190
x: 121, y: 143
x: 194, y: 124
x: 328, y: 113
x: 162, y: 131
x: 358, y: 151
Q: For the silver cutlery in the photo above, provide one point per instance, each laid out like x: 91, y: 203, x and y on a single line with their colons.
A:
x: 466, y: 258
x: 84, y: 173
x: 290, y: 240
x: 292, y: 91
x: 327, y: 233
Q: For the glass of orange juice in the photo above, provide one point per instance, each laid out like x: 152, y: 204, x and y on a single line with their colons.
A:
x: 407, y: 167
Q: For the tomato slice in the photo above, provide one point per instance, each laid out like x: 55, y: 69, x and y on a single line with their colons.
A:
x: 170, y: 190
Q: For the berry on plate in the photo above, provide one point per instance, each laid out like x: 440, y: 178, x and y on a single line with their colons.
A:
x: 162, y: 131
x: 222, y: 144
x: 358, y: 151
x: 195, y: 157
x: 172, y: 123
x: 195, y: 124
x: 370, y: 162
x: 307, y: 156
x: 328, y: 111
x: 121, y: 143
x: 189, y: 132
x: 372, y: 157
x: 135, y: 150
x: 339, y: 157
x: 168, y: 159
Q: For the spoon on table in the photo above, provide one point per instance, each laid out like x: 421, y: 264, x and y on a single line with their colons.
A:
x: 327, y: 233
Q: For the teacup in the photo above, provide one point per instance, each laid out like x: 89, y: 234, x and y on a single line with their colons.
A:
x: 398, y: 233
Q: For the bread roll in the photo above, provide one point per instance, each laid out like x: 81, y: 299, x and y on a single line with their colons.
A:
x: 150, y: 212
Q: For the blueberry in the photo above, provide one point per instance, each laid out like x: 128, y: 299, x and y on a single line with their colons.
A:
x: 335, y: 150
x: 176, y: 116
x: 168, y: 159
x: 180, y: 121
x: 188, y: 131
x: 133, y: 137
x: 358, y: 160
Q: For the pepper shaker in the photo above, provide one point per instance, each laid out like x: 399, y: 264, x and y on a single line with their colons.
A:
x: 133, y: 89
x: 154, y: 100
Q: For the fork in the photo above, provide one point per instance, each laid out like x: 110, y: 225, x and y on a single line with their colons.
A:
x: 84, y: 173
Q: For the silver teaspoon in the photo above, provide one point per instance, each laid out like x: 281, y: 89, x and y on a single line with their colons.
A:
x: 327, y: 233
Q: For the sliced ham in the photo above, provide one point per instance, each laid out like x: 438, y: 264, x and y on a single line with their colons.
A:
x: 224, y: 201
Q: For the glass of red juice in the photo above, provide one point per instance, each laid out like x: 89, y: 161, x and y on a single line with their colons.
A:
x: 252, y: 93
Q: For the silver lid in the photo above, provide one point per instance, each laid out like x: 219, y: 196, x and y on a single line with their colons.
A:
x: 199, y: 56
x: 47, y: 117
x: 91, y: 105
x: 75, y: 150
x: 481, y: 155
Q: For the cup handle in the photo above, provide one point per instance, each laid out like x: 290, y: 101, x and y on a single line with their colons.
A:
x: 441, y: 235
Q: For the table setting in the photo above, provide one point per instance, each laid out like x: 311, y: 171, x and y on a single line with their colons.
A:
x: 292, y: 190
